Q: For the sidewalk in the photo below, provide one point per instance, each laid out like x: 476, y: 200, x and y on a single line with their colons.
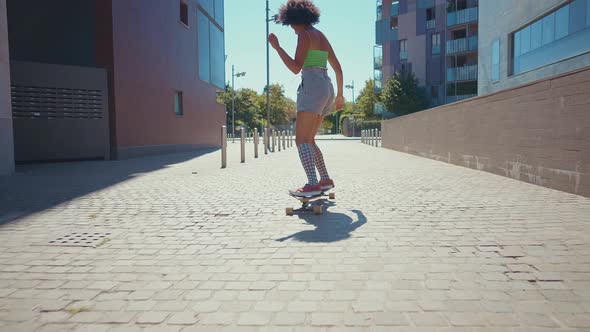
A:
x: 409, y: 244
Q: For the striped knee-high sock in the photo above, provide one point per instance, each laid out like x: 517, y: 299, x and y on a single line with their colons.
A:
x: 319, y: 162
x: 308, y: 162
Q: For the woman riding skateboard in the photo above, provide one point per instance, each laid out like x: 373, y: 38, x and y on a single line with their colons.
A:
x: 315, y: 95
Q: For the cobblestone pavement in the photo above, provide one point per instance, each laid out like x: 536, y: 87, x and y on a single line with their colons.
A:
x: 409, y: 244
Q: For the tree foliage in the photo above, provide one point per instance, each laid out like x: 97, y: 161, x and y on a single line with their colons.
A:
x: 367, y: 99
x: 402, y: 95
x: 250, y: 107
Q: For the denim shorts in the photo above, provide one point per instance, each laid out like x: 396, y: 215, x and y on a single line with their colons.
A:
x: 316, y: 92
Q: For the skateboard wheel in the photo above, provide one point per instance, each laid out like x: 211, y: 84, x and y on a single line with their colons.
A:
x: 332, y: 195
x: 289, y: 211
x: 317, y: 210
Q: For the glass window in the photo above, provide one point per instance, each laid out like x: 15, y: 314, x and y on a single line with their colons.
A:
x: 217, y: 57
x: 203, y: 45
x: 394, y: 8
x: 394, y: 22
x: 548, y: 28
x: 178, y: 103
x: 517, y: 51
x: 219, y: 11
x: 536, y: 35
x: 379, y: 10
x: 577, y: 16
x: 403, y: 53
x: 430, y: 14
x: 496, y: 60
x: 562, y: 34
x: 183, y: 12
x: 562, y: 21
x: 525, y: 40
x: 436, y: 43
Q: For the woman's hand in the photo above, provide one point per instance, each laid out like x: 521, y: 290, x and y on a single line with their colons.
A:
x: 339, y: 102
x: 274, y: 41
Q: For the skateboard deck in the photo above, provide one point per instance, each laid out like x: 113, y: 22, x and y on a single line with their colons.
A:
x: 307, y: 205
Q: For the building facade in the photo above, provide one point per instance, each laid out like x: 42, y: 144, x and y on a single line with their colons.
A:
x: 6, y: 145
x: 155, y: 66
x: 437, y: 40
x: 528, y: 40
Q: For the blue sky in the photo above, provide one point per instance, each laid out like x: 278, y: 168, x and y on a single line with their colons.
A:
x: 349, y: 25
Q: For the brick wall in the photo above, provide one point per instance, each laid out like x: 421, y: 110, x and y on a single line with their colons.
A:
x: 538, y: 133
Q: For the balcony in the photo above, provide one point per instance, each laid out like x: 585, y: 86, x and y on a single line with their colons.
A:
x: 462, y: 16
x: 462, y: 45
x: 430, y: 24
x: 452, y: 99
x: 465, y: 73
x: 435, y: 49
x: 384, y: 33
x: 378, y: 62
x: 403, y: 55
x: 377, y: 80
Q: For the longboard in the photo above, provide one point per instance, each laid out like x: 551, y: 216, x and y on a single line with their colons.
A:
x: 307, y: 205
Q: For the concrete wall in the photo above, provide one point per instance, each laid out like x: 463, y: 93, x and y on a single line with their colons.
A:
x: 153, y: 55
x: 6, y: 138
x: 537, y: 133
x: 501, y: 18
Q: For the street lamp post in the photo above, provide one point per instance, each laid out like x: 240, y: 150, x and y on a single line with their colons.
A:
x: 352, y: 87
x: 233, y: 103
x: 268, y: 20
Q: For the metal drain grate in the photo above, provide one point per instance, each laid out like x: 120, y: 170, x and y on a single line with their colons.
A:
x: 82, y: 239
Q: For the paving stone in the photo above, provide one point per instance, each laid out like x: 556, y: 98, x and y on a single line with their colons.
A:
x: 152, y: 317
x: 183, y: 318
x: 429, y: 246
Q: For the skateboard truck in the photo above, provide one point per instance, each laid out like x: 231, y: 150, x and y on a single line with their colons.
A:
x: 307, y: 205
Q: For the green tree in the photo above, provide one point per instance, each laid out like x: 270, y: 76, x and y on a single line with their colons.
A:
x: 247, y: 107
x: 279, y: 105
x: 402, y: 95
x: 367, y: 99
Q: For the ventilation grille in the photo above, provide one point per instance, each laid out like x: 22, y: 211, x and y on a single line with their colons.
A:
x: 56, y: 103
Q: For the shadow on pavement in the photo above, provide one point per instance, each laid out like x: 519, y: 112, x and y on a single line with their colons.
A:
x: 37, y: 187
x: 329, y: 227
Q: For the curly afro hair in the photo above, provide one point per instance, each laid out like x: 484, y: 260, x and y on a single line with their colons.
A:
x: 298, y: 12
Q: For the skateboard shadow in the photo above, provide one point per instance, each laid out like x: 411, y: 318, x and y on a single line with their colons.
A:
x: 330, y: 227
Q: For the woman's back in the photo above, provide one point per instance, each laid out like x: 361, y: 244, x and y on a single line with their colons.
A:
x: 318, y: 51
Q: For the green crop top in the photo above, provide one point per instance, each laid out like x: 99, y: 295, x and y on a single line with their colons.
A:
x: 316, y: 58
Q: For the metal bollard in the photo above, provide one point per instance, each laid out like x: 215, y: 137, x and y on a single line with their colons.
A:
x: 243, y: 144
x: 371, y: 137
x: 279, y: 139
x: 362, y: 136
x: 264, y: 140
x: 283, y: 140
x: 274, y: 139
x: 223, y: 146
x: 255, y: 138
x: 375, y: 137
x: 378, y: 138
